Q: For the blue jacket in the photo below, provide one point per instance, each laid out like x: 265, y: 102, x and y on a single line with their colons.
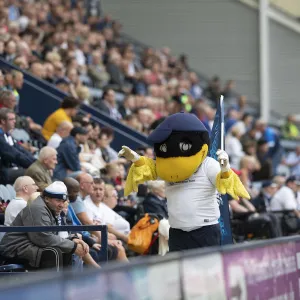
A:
x: 14, y: 156
x: 67, y: 158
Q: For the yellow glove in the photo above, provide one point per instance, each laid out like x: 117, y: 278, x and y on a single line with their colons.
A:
x: 128, y: 154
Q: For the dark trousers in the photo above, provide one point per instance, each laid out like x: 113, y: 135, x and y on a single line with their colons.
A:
x: 205, y: 236
x: 53, y: 258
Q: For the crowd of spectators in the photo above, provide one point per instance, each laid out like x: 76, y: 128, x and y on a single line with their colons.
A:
x: 86, y: 57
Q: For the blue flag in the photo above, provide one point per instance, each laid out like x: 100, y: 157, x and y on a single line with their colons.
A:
x: 215, y: 144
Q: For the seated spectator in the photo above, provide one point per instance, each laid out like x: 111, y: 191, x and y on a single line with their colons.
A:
x: 13, y: 157
x: 100, y: 209
x: 293, y: 161
x: 102, y: 144
x: 35, y: 249
x: 285, y: 197
x: 16, y: 84
x: 78, y: 207
x: 112, y: 154
x: 97, y: 71
x: 108, y: 104
x: 25, y: 187
x: 41, y: 170
x: 68, y: 163
x: 114, y: 252
x: 155, y: 201
x: 63, y: 130
x: 263, y: 200
x: 7, y: 99
x: 67, y: 110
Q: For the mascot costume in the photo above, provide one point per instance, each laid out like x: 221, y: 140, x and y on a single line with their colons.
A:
x: 181, y: 144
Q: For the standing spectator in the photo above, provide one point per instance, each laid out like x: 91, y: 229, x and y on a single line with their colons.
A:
x: 213, y: 91
x: 265, y: 172
x: 272, y: 137
x: 68, y: 163
x: 290, y: 129
x: 41, y: 170
x: 24, y: 187
x: 67, y: 110
x: 63, y: 130
x: 234, y: 147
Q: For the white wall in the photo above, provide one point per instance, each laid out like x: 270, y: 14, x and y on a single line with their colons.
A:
x: 284, y: 69
x: 220, y: 37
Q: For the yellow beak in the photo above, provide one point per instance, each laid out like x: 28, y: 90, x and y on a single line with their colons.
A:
x: 175, y: 169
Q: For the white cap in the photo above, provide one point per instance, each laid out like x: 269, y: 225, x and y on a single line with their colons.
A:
x: 57, y: 190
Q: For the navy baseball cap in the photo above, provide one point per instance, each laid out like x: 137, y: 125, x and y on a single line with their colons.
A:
x: 178, y: 122
x: 268, y: 183
x: 293, y: 178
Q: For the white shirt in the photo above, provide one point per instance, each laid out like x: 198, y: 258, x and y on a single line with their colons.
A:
x: 192, y: 203
x: 234, y: 150
x: 284, y: 199
x: 13, y: 209
x: 54, y: 141
x: 294, y: 159
x: 104, y: 215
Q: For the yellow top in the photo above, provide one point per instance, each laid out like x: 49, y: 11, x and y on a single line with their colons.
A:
x: 53, y: 121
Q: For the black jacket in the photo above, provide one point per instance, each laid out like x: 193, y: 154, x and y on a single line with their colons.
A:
x: 152, y: 204
x: 14, y: 155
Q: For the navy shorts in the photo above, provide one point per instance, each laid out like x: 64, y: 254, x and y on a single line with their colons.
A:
x: 205, y: 236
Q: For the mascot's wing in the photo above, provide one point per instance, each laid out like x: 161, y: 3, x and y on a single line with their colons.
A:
x: 229, y: 183
x: 142, y: 170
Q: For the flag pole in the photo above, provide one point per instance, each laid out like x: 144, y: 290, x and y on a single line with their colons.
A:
x: 222, y: 125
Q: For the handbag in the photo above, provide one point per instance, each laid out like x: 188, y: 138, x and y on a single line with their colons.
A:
x: 140, y: 236
x: 290, y: 222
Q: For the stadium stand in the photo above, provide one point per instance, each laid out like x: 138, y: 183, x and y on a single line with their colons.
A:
x: 99, y: 89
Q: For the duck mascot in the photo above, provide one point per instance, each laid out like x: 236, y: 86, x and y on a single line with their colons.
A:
x: 181, y: 144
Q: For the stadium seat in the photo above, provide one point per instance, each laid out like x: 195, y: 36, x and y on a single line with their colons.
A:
x: 11, y: 268
x: 11, y: 190
x: 5, y: 192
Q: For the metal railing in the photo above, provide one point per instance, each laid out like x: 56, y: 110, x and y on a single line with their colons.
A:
x: 102, y: 228
x: 207, y: 274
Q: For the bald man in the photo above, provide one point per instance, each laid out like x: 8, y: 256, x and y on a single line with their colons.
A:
x: 63, y: 130
x: 41, y: 170
x: 24, y: 187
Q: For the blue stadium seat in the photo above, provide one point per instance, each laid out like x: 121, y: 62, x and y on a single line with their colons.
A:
x: 11, y: 190
x: 11, y: 268
x: 5, y: 193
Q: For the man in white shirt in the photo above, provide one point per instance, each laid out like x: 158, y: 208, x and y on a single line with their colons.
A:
x: 100, y: 213
x: 62, y: 131
x: 24, y: 187
x: 293, y: 161
x: 285, y: 198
